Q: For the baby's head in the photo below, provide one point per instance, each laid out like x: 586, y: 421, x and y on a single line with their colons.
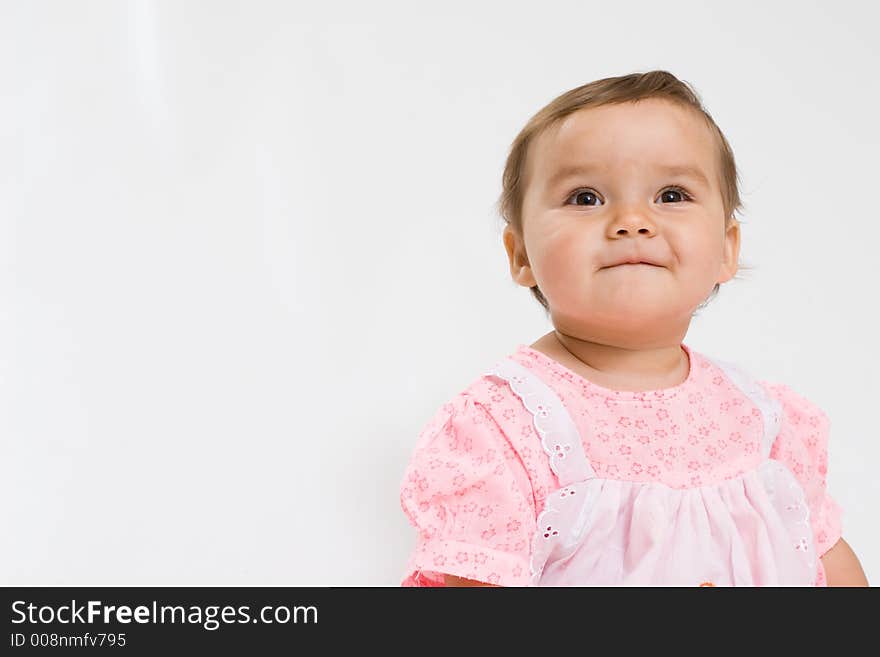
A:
x: 623, y: 168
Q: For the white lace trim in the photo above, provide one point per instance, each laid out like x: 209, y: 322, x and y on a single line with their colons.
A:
x: 560, y: 438
x: 558, y: 525
x: 561, y: 441
x: 791, y: 504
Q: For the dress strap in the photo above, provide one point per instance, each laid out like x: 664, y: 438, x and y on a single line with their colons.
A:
x: 559, y: 436
x: 770, y: 408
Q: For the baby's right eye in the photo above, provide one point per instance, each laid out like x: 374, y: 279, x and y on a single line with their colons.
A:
x: 579, y: 193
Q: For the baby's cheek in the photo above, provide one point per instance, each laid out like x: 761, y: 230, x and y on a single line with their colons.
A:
x: 703, y: 255
x: 562, y: 263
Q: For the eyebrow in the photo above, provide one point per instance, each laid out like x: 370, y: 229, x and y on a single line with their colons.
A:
x: 572, y: 170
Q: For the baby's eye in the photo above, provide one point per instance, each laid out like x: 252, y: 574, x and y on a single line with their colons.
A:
x: 584, y: 193
x: 676, y: 190
x: 589, y: 195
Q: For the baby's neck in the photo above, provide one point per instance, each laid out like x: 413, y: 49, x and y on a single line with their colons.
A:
x: 616, y: 368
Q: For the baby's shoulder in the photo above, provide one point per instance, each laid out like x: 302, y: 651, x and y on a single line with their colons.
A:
x: 793, y: 401
x: 749, y: 380
x: 486, y: 404
x: 495, y: 396
x: 796, y: 417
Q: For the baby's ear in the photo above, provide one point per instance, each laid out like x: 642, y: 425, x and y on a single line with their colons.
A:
x: 730, y: 257
x: 520, y: 270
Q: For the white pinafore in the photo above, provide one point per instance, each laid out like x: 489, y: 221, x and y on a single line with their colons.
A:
x: 752, y: 530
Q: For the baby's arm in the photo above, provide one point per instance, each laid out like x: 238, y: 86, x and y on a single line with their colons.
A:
x: 802, y: 444
x: 842, y: 567
x: 470, y: 496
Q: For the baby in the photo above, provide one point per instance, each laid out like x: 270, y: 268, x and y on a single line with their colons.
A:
x: 608, y: 452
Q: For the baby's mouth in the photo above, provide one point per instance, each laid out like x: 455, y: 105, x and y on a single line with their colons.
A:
x: 633, y: 264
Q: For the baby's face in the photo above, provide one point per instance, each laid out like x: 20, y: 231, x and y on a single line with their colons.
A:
x: 617, y: 182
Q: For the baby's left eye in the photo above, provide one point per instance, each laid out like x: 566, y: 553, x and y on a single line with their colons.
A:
x: 676, y: 190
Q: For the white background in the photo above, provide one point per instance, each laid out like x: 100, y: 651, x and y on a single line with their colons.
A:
x: 249, y: 248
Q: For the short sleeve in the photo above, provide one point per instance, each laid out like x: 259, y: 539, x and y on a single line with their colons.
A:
x: 469, y: 496
x: 802, y: 444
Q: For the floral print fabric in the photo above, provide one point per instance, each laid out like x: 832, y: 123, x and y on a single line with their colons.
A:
x: 478, y: 476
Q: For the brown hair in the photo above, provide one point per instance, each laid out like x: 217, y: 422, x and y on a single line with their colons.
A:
x: 608, y: 91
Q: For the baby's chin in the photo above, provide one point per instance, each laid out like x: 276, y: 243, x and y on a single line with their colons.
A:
x: 631, y: 313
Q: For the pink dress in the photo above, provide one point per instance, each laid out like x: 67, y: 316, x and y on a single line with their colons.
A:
x: 535, y: 476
